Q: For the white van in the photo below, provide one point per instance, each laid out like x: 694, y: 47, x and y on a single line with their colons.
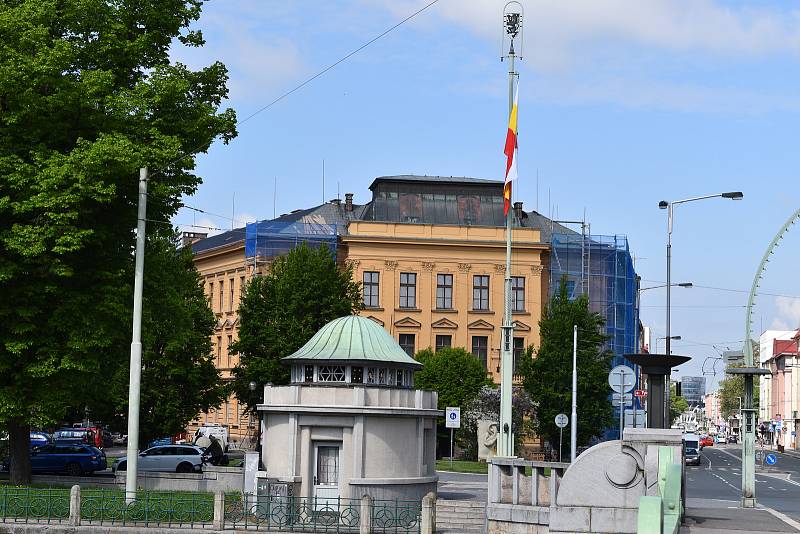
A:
x: 212, y: 429
x: 691, y: 449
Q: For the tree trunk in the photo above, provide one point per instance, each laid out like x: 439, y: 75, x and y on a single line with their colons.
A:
x: 19, y: 434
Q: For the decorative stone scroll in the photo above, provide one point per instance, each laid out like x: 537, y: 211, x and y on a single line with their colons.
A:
x: 537, y: 269
x: 428, y: 266
x: 465, y: 267
x: 500, y: 268
x: 391, y: 265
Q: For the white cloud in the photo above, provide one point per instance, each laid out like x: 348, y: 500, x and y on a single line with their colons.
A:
x: 788, y: 310
x: 554, y: 29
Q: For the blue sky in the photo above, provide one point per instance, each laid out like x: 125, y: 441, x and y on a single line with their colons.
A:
x: 622, y: 104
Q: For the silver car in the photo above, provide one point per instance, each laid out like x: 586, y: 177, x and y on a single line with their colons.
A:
x: 167, y: 458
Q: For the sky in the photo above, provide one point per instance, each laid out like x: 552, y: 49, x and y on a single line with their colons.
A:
x: 622, y: 104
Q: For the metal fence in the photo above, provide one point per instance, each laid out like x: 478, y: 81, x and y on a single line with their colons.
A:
x: 206, y: 510
x: 165, y: 509
x: 299, y: 514
x: 24, y: 505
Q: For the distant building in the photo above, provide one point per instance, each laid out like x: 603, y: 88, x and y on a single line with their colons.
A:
x: 780, y: 390
x: 429, y: 252
x: 693, y: 389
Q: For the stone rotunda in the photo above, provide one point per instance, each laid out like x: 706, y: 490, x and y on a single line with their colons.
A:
x: 351, y: 423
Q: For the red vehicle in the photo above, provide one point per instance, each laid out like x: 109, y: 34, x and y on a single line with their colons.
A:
x: 706, y: 441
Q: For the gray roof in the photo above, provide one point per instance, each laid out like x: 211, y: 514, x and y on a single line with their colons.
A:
x: 353, y: 339
x: 413, y: 178
x: 219, y: 240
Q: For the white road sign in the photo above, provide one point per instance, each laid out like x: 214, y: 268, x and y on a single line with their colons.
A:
x: 452, y: 417
x: 621, y: 379
x: 562, y: 420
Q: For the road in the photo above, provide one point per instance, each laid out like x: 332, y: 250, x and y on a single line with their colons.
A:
x: 719, y: 478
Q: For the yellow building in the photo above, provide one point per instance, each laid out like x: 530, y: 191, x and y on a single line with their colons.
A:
x: 430, y: 253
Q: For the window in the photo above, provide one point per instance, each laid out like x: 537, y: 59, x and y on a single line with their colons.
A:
x: 356, y: 375
x: 407, y: 343
x: 480, y: 346
x: 372, y: 374
x: 241, y: 286
x: 230, y: 295
x: 327, y: 466
x: 444, y: 291
x: 517, y: 293
x: 408, y: 290
x: 371, y: 287
x: 211, y: 295
x: 480, y: 292
x: 219, y: 350
x: 443, y: 341
x: 519, y: 351
x: 230, y: 342
x: 330, y: 373
x: 309, y: 373
x: 221, y: 295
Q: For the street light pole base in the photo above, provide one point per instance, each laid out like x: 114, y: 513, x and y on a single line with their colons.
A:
x: 748, y: 502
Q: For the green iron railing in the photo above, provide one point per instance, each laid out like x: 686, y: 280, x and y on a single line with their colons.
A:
x: 39, y: 505
x: 170, y: 509
x: 396, y: 516
x: 300, y: 514
x: 292, y: 513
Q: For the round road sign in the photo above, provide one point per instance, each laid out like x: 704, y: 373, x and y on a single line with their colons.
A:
x: 771, y: 459
x: 562, y: 420
x: 621, y: 379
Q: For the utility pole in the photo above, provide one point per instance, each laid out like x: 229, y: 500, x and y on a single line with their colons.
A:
x: 573, y: 438
x: 134, y: 386
x: 513, y: 26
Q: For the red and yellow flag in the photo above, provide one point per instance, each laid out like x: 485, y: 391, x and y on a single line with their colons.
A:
x: 511, y: 154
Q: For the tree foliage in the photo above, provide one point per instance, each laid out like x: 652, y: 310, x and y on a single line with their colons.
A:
x: 677, y: 405
x: 87, y: 96
x: 280, y: 311
x: 486, y: 406
x: 548, y: 375
x: 731, y: 389
x: 454, y: 373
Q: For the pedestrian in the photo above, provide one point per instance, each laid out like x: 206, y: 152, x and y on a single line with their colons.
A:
x: 214, y: 451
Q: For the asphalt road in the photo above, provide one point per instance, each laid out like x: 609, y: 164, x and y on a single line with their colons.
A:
x: 462, y: 486
x: 719, y: 478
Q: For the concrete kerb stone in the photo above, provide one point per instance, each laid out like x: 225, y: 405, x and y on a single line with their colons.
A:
x: 75, y: 506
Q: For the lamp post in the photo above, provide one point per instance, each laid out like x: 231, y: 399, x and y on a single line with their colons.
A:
x: 669, y: 206
x: 252, y: 386
x: 674, y: 338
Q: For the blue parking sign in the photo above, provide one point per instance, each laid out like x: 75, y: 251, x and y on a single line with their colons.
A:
x: 771, y: 459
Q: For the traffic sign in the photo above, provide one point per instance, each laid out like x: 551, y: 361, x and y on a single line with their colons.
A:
x: 621, y: 379
x: 640, y: 393
x: 772, y: 459
x: 452, y: 417
x: 562, y: 420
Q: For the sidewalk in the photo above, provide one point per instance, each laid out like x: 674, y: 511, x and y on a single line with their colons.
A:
x: 709, y: 516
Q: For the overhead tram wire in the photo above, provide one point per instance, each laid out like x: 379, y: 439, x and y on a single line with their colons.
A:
x: 312, y: 78
x: 698, y: 286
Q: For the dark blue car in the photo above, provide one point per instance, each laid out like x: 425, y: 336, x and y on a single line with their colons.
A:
x: 71, y: 459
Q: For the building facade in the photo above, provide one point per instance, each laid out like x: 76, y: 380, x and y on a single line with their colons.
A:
x: 693, y: 389
x: 430, y: 255
x: 779, y: 407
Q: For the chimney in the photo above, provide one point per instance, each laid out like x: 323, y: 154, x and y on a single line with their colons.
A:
x: 518, y: 213
x: 190, y: 238
x: 348, y: 202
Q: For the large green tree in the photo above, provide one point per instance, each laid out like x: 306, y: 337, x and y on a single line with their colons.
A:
x: 179, y: 378
x: 88, y: 94
x: 731, y: 394
x: 281, y: 310
x: 458, y: 377
x: 548, y: 375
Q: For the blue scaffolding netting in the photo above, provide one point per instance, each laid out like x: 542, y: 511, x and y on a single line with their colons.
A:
x: 602, y: 267
x: 274, y: 238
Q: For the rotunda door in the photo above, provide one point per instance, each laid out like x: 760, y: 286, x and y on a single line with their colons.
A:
x: 326, y: 474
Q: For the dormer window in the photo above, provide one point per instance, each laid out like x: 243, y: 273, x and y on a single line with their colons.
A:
x: 331, y: 373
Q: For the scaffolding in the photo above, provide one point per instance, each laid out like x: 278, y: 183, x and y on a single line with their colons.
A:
x: 268, y: 239
x: 600, y: 267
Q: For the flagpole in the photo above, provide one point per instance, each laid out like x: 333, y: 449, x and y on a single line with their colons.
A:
x: 506, y: 444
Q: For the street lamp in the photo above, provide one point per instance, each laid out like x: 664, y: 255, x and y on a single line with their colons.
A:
x: 674, y: 338
x: 669, y: 205
x: 252, y: 386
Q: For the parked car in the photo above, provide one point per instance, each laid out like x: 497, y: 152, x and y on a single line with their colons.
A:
x: 706, y: 441
x: 72, y: 459
x: 160, y: 441
x: 719, y: 439
x: 168, y: 458
x: 40, y: 439
x: 84, y: 436
x: 732, y: 438
x: 118, y: 438
x: 212, y: 429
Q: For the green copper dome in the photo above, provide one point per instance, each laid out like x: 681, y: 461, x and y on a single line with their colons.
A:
x: 353, y: 339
